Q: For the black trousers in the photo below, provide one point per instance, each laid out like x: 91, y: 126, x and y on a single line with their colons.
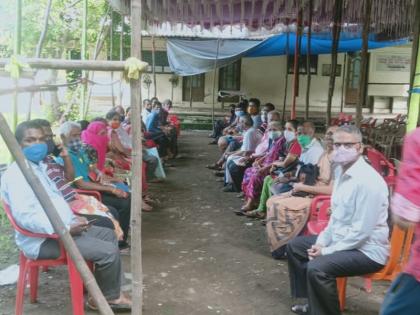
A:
x: 237, y: 173
x: 316, y: 279
x: 218, y: 127
x: 123, y: 206
x: 162, y: 141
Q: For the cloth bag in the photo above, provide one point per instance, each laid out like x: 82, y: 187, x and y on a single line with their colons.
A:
x: 159, y: 172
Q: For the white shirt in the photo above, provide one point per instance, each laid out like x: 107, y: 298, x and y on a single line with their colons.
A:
x: 359, y: 214
x: 312, y: 153
x: 26, y: 209
x: 252, y: 138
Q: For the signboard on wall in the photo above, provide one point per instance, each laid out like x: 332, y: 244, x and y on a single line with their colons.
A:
x: 393, y: 63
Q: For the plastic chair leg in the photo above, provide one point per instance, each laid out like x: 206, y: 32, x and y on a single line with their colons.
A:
x: 33, y: 282
x: 20, y: 290
x: 76, y: 289
x: 341, y: 288
x: 368, y: 285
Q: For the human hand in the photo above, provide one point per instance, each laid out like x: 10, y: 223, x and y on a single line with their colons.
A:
x: 63, y: 150
x: 314, y: 251
x: 80, y: 225
x: 298, y: 187
x: 119, y: 193
x: 262, y: 170
x: 281, y: 180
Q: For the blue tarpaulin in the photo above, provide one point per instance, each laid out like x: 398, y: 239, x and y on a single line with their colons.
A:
x: 190, y: 57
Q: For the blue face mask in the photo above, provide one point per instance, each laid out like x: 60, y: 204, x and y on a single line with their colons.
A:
x: 36, y: 152
x: 239, y: 113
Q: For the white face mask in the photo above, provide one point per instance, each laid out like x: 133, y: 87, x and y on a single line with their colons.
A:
x: 344, y: 156
x: 289, y: 135
x: 264, y: 117
x: 274, y: 135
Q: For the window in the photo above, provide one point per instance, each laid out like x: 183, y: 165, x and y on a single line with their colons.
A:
x: 194, y: 86
x: 230, y: 80
x: 313, y: 64
x: 161, y: 61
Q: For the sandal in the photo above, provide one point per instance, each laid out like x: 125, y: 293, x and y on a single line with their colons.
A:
x: 214, y: 166
x: 117, y: 308
x: 239, y: 212
x: 145, y: 207
x: 300, y: 309
x: 256, y: 214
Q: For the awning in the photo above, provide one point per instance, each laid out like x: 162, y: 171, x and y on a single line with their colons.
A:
x: 190, y: 57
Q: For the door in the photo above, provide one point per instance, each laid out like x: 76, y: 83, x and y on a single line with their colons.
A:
x: 193, y: 85
x: 353, y: 78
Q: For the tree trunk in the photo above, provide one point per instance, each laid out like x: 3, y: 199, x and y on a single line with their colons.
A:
x: 296, y: 65
x: 338, y: 11
x: 154, y: 67
x: 308, y: 60
x: 364, y: 62
x: 286, y: 76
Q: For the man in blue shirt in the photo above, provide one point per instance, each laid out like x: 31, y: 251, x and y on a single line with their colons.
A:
x: 155, y: 133
x: 96, y: 244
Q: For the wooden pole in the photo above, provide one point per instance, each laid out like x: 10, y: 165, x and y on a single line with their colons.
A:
x: 308, y: 59
x: 364, y: 62
x: 121, y: 56
x: 136, y: 196
x: 214, y: 83
x: 413, y: 111
x: 38, y: 50
x: 296, y: 65
x: 414, y: 51
x: 54, y: 218
x: 17, y: 50
x: 154, y: 66
x: 66, y: 64
x: 286, y: 76
x: 343, y: 83
x: 190, y: 80
x: 338, y: 5
x: 111, y: 54
x: 82, y: 113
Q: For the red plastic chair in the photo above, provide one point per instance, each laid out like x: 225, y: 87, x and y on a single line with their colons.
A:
x: 29, y: 270
x: 319, y: 215
x: 383, y: 166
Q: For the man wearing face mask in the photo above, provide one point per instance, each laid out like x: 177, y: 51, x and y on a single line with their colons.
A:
x: 147, y: 109
x: 355, y: 242
x: 311, y: 148
x: 152, y: 126
x: 267, y: 108
x: 96, y: 244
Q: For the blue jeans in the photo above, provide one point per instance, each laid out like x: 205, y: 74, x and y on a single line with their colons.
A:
x: 403, y: 296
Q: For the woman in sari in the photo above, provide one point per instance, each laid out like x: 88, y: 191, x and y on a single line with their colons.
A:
x: 290, y: 156
x: 254, y: 176
x: 287, y: 215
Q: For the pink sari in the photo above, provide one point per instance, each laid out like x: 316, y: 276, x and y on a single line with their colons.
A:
x: 100, y: 143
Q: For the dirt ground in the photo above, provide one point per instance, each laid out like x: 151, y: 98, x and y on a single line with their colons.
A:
x: 199, y: 258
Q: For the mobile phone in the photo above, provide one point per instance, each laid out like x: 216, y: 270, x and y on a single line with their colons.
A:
x: 56, y: 151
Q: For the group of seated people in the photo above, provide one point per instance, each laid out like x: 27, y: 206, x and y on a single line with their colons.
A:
x: 278, y: 169
x: 86, y: 173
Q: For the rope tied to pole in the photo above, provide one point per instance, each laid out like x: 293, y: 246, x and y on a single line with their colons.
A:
x: 133, y: 67
x: 15, y: 66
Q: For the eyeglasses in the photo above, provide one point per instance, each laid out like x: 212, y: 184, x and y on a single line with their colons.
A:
x: 347, y: 145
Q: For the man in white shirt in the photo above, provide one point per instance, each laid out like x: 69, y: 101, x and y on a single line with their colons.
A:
x: 147, y: 109
x: 238, y: 161
x: 311, y: 147
x: 355, y: 242
x: 96, y: 244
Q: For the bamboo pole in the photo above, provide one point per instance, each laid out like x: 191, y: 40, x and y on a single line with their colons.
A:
x: 66, y: 64
x: 214, y: 82
x: 111, y: 55
x: 364, y: 62
x: 136, y: 196
x: 17, y: 50
x: 191, y: 79
x: 413, y: 112
x: 414, y: 51
x: 154, y: 66
x: 308, y: 59
x: 296, y: 65
x: 286, y: 77
x: 38, y: 51
x: 121, y: 56
x: 83, y: 56
x: 54, y: 218
x: 338, y: 5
